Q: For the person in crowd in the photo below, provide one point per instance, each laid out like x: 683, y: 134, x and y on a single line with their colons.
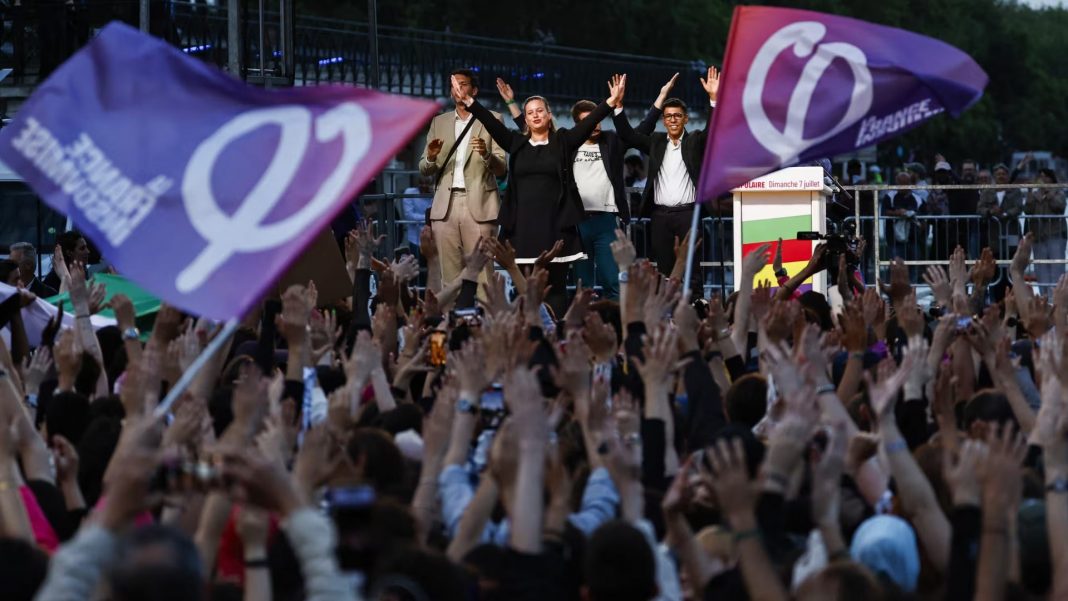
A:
x: 1044, y: 209
x: 635, y: 176
x: 414, y: 208
x: 598, y: 172
x: 71, y: 248
x: 674, y: 167
x: 631, y: 451
x: 542, y: 210
x: 25, y: 255
x: 902, y: 231
x: 464, y: 161
x: 1005, y: 206
x: 964, y: 229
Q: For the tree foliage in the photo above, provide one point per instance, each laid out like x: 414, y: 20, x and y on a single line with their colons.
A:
x: 1020, y: 48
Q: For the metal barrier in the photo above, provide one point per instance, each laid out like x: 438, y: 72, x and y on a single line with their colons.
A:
x: 930, y: 239
x: 393, y: 217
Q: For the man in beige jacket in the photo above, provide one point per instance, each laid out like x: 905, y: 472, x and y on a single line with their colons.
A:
x: 465, y: 198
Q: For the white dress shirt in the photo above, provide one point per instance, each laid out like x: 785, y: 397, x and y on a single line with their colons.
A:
x: 674, y: 187
x: 461, y: 150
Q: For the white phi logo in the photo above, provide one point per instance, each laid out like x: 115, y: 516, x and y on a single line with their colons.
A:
x: 243, y: 231
x: 788, y: 144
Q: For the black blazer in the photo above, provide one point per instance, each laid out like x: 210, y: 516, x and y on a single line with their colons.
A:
x: 563, y: 142
x: 613, y: 150
x: 655, y: 145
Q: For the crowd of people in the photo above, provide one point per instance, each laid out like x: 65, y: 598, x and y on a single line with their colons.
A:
x: 468, y: 443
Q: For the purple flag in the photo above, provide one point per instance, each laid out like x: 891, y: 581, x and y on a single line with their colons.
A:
x: 197, y: 186
x: 799, y: 85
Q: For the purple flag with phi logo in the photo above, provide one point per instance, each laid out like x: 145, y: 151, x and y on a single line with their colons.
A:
x: 799, y: 85
x: 197, y: 186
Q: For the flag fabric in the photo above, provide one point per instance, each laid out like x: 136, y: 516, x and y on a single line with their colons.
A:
x: 36, y: 315
x: 799, y: 85
x: 198, y: 187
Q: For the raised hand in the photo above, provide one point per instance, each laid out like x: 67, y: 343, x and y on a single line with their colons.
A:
x: 827, y: 477
x: 754, y: 262
x: 365, y: 358
x: 318, y: 458
x: 427, y: 246
x: 730, y: 479
x: 433, y: 149
x: 59, y: 263
x: 1022, y: 258
x: 884, y: 394
x: 661, y: 353
x: 984, y: 270
x: 502, y: 252
x: 459, y: 93
x: 616, y: 88
x: 546, y: 257
x: 505, y: 90
x: 36, y: 368
x: 479, y: 145
x: 661, y: 301
x: 623, y: 251
x: 935, y: 277
x: 711, y: 83
x: 574, y: 371
x: 406, y: 268
x: 600, y: 337
x: 470, y: 368
x: 962, y: 471
x: 293, y: 320
x: 899, y: 285
x: 665, y: 90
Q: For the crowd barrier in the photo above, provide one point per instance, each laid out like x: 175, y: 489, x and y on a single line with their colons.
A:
x: 920, y: 240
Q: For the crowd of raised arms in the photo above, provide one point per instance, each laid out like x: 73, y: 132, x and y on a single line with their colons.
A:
x: 404, y: 446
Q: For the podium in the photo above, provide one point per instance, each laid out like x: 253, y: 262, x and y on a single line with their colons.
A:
x: 779, y: 205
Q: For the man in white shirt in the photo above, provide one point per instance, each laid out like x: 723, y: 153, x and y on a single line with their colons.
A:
x: 465, y: 167
x: 674, y: 168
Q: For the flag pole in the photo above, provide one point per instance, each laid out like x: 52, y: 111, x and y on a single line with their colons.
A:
x: 690, y: 248
x: 187, y: 378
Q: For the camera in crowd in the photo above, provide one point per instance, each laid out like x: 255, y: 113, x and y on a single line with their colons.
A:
x: 838, y: 244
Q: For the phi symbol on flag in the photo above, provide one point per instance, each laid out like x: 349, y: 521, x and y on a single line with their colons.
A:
x: 803, y: 38
x: 244, y: 230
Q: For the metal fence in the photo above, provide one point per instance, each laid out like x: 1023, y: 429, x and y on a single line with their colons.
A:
x: 919, y: 240
x: 922, y: 239
x: 36, y: 36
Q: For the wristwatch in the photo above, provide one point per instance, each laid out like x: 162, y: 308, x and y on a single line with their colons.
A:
x: 131, y: 334
x: 1058, y: 485
x: 624, y: 277
x: 465, y: 406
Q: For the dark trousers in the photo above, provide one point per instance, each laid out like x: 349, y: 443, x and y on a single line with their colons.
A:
x: 557, y: 296
x: 598, y: 232
x: 666, y: 224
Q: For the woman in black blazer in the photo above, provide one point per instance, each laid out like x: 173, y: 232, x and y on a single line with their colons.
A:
x: 542, y: 204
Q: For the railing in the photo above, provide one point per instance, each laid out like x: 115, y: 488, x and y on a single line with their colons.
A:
x: 927, y: 239
x: 36, y: 36
x: 922, y: 240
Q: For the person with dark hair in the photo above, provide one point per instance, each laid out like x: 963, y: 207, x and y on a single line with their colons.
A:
x: 25, y: 255
x: 674, y: 169
x: 74, y: 249
x: 9, y: 273
x: 634, y: 166
x: 619, y: 564
x: 464, y: 161
x: 542, y: 210
x: 1046, y: 224
x: 22, y: 569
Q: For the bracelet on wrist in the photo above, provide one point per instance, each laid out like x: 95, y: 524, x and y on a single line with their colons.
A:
x: 509, y: 102
x: 826, y: 389
x: 257, y: 562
